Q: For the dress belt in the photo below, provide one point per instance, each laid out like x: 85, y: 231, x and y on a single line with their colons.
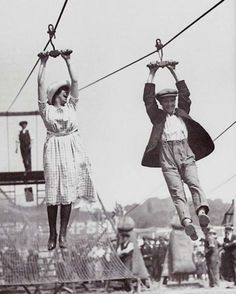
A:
x: 61, y: 134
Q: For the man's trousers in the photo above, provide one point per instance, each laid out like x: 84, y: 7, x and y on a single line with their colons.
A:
x: 178, y: 167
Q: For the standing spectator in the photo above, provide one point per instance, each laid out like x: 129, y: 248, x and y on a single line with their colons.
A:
x: 125, y: 251
x: 146, y: 250
x: 25, y: 141
x: 200, y: 262
x: 129, y: 252
x: 155, y: 261
x: 212, y: 258
x: 162, y: 248
x: 230, y: 251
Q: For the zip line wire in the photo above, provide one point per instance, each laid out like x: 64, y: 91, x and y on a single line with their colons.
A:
x: 222, y: 184
x: 123, y: 67
x: 32, y: 70
x: 164, y: 45
x: 224, y: 131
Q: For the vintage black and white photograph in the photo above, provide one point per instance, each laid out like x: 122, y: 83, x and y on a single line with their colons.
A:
x: 118, y: 140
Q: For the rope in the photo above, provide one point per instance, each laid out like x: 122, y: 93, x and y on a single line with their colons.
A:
x: 32, y: 70
x: 157, y: 50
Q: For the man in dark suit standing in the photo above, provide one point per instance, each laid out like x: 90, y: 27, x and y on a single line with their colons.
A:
x: 25, y: 142
x: 212, y: 258
x: 230, y: 250
x: 176, y: 142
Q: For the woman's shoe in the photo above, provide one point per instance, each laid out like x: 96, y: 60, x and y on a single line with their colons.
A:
x: 52, y: 221
x: 62, y: 242
x: 65, y: 216
x: 52, y: 242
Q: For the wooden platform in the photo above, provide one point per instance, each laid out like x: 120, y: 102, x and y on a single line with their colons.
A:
x: 21, y: 178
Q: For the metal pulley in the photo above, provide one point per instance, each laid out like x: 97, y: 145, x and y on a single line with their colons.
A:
x: 55, y: 53
x: 161, y: 63
x: 51, y: 31
x: 159, y: 47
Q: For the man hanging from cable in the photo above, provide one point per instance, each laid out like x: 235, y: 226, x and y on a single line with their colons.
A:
x: 176, y: 142
x: 25, y: 141
x: 66, y: 165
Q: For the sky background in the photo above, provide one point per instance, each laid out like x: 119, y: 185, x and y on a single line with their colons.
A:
x: 105, y: 35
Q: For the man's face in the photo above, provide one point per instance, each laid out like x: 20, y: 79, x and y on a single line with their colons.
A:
x: 24, y: 126
x: 228, y: 233
x: 125, y: 238
x: 168, y: 104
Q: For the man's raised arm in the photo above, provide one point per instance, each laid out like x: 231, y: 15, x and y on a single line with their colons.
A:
x: 149, y: 94
x: 184, y: 101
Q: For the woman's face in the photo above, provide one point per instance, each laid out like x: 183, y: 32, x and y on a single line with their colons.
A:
x: 61, y: 96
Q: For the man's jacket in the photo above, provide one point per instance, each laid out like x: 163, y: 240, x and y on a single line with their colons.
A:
x: 24, y: 138
x: 230, y: 246
x: 198, y: 139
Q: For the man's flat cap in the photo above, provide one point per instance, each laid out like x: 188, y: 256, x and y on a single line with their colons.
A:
x: 229, y: 227
x: 166, y: 93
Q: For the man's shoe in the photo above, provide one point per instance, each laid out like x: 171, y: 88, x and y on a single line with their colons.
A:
x: 190, y: 231
x: 204, y: 219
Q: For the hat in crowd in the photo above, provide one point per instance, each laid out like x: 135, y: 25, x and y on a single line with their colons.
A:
x: 166, y: 93
x: 229, y: 227
x: 125, y: 224
x: 211, y: 231
x: 51, y: 90
x: 23, y: 122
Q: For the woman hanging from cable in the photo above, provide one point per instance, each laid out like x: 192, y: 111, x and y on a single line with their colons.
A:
x: 66, y: 165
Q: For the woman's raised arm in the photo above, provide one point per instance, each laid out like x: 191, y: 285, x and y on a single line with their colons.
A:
x: 74, y: 80
x: 42, y: 95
